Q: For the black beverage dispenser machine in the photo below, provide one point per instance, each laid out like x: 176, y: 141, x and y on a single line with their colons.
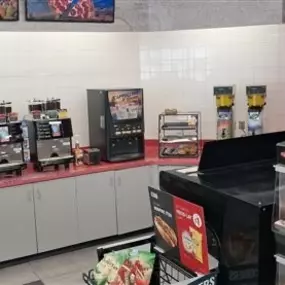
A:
x: 116, y: 123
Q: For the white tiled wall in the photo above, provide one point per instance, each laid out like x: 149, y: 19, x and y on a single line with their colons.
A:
x: 41, y: 65
x: 179, y: 70
x: 176, y: 69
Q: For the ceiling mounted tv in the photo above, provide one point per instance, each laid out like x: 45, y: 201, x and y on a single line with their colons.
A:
x: 94, y: 11
x: 9, y: 10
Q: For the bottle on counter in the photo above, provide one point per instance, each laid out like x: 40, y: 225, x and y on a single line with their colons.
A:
x: 26, y: 145
x: 78, y: 154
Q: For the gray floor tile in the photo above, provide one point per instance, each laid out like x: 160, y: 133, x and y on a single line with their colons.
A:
x: 63, y: 269
x: 17, y: 275
x: 86, y: 258
x: 35, y: 283
x: 74, y: 278
x: 54, y: 266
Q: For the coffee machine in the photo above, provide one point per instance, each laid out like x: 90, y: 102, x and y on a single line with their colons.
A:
x: 50, y: 134
x: 116, y: 123
x: 11, y: 141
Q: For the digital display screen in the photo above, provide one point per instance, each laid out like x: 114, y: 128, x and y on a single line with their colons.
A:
x: 254, y: 121
x: 126, y: 105
x: 4, y: 134
x: 225, y: 115
x: 56, y: 129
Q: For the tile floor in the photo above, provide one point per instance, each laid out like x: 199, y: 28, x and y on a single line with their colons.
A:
x: 63, y: 269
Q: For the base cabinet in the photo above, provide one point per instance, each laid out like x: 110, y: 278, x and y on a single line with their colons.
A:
x: 132, y: 199
x: 17, y: 222
x: 96, y: 206
x: 154, y: 176
x: 56, y: 214
x: 40, y: 217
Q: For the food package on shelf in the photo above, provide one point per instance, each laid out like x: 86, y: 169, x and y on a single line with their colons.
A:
x: 129, y: 267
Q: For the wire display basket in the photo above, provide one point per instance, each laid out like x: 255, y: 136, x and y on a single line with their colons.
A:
x: 165, y: 271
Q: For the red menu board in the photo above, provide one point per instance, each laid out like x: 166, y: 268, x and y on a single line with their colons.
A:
x: 180, y: 230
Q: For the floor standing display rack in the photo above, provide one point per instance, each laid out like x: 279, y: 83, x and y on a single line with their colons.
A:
x: 179, y: 134
x: 166, y: 271
x: 279, y: 214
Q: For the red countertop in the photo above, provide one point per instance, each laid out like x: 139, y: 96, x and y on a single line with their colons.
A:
x: 151, y: 158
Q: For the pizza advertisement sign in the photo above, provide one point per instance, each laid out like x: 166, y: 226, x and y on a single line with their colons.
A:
x: 180, y: 230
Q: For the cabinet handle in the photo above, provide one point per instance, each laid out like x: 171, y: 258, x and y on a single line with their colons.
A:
x: 39, y: 196
x: 119, y: 182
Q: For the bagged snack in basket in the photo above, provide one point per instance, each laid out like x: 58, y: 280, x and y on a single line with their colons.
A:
x: 136, y: 270
x: 143, y: 264
x: 107, y: 269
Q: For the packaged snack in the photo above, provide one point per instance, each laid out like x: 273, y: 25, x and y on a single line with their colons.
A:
x: 123, y: 274
x: 136, y: 270
x: 142, y: 267
x: 107, y: 269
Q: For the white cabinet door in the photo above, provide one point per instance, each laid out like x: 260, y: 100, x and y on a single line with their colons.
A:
x: 17, y: 222
x: 96, y: 206
x: 133, y: 206
x: 154, y: 176
x: 56, y: 214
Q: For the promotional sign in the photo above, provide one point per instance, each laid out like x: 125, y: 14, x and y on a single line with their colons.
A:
x: 180, y: 230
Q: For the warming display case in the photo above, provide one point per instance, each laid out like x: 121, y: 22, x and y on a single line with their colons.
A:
x: 179, y: 134
x: 238, y: 212
x: 279, y: 206
x: 280, y: 278
x: 279, y: 213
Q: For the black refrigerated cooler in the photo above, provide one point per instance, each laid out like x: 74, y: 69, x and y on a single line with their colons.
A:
x: 234, y: 184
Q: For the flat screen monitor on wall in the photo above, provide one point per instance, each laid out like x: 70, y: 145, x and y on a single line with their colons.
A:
x: 126, y: 105
x: 96, y: 11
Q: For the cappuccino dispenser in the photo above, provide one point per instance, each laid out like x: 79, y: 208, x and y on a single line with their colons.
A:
x: 116, y: 123
x: 11, y: 141
x: 50, y: 135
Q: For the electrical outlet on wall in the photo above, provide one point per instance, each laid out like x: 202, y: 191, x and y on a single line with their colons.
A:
x: 241, y: 126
